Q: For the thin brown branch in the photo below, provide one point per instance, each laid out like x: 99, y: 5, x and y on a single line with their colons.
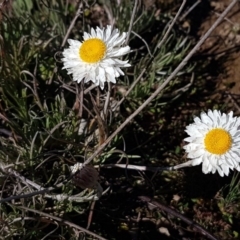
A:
x: 131, y: 88
x: 174, y: 213
x: 61, y: 221
x: 72, y: 24
x: 90, y: 216
x: 131, y: 21
x: 172, y: 24
x: 107, y: 101
x: 189, y: 10
x: 34, y: 90
x: 165, y: 83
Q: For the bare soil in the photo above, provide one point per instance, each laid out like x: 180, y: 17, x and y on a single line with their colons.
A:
x: 225, y: 41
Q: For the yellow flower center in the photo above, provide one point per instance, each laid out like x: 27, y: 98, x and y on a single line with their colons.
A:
x: 218, y: 141
x: 92, y: 50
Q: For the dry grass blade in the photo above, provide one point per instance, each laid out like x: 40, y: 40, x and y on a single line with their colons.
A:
x: 161, y: 87
x: 62, y: 221
x: 171, y: 211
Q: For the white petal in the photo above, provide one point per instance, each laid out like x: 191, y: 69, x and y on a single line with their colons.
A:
x: 206, y: 167
x: 108, y: 33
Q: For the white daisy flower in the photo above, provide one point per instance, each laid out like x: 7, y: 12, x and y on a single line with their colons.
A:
x: 215, y: 142
x: 96, y: 59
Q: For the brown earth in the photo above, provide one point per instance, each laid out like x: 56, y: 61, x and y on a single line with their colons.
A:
x: 225, y: 40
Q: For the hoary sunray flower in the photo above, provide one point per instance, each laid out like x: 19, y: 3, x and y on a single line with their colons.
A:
x: 214, y: 141
x: 96, y: 58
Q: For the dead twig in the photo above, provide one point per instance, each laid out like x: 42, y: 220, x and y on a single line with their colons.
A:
x: 165, y: 83
x: 72, y: 24
x: 131, y: 21
x: 61, y: 221
x: 172, y: 24
x: 174, y: 213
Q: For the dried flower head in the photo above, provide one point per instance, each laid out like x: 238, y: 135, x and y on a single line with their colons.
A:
x: 84, y: 177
